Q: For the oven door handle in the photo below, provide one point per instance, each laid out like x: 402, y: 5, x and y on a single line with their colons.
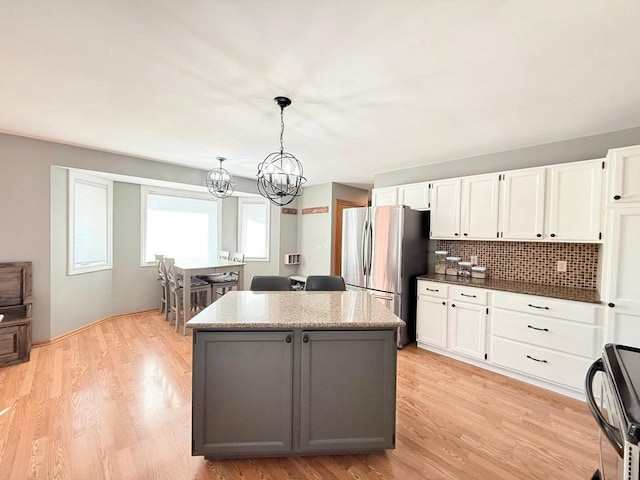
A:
x: 611, y: 432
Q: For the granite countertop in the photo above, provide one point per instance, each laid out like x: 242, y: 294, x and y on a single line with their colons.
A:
x: 262, y: 310
x: 566, y: 293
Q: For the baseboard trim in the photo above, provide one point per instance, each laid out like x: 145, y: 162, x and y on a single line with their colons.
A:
x: 75, y: 331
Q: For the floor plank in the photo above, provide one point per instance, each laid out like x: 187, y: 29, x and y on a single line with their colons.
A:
x: 114, y: 402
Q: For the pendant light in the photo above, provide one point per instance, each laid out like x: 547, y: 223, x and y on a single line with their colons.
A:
x: 280, y: 177
x: 219, y: 181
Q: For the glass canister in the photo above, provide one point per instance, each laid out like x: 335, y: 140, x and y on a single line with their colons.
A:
x: 464, y: 269
x: 478, y: 272
x: 441, y: 262
x: 452, y: 265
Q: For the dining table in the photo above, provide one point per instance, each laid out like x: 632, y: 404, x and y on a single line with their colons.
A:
x: 191, y: 267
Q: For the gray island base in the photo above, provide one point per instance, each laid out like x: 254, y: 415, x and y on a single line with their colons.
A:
x: 293, y: 373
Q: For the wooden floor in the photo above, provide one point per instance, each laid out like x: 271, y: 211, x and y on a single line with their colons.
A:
x: 114, y: 401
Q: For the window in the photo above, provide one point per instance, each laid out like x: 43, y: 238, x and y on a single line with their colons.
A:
x: 253, y: 228
x: 90, y: 223
x: 178, y: 224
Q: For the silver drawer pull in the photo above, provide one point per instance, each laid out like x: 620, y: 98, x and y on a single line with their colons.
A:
x: 536, y: 328
x: 465, y: 295
x: 535, y: 306
x: 431, y: 289
x: 536, y: 360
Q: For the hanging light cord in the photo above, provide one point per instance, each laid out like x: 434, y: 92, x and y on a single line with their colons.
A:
x: 281, y: 129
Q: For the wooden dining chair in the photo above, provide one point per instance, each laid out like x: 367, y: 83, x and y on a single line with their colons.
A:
x: 221, y: 283
x: 200, y: 294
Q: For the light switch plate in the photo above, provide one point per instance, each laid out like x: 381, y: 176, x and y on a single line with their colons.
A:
x: 562, y: 266
x: 474, y: 259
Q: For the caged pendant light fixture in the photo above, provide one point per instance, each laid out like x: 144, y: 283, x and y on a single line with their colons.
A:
x: 280, y: 177
x: 219, y: 181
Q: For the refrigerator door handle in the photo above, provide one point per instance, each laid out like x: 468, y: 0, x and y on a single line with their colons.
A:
x: 370, y: 253
x: 363, y: 249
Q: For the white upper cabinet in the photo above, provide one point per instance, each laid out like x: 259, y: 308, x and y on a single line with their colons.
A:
x: 522, y: 204
x: 624, y: 177
x: 575, y: 200
x: 414, y: 195
x: 445, y: 208
x: 384, y: 196
x: 480, y: 206
x: 621, y: 288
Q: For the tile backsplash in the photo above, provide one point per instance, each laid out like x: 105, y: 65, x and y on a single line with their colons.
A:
x: 531, y: 261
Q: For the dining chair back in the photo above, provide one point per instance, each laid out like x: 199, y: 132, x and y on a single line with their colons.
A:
x: 325, y: 283
x: 270, y: 283
x: 238, y: 257
x: 200, y: 294
x: 165, y: 296
x: 223, y: 255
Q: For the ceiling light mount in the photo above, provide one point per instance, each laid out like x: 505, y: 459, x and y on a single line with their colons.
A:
x: 219, y: 181
x: 280, y: 175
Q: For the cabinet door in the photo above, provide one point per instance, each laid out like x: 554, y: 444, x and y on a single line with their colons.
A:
x: 624, y: 176
x: 384, y: 196
x: 468, y: 329
x: 522, y: 204
x: 445, y: 209
x: 480, y: 207
x: 431, y: 319
x: 415, y: 195
x: 347, y: 390
x: 242, y: 393
x: 575, y: 198
x: 622, y: 266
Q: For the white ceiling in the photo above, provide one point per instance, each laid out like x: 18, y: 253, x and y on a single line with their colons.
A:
x: 376, y: 85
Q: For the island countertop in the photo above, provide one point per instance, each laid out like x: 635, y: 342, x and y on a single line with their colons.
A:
x: 282, y: 310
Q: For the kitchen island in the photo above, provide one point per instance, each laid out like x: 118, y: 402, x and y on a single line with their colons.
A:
x: 293, y: 373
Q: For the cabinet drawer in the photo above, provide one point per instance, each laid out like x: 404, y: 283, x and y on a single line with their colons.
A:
x: 468, y: 295
x: 432, y: 289
x: 539, y: 362
x: 568, y: 337
x: 548, y: 307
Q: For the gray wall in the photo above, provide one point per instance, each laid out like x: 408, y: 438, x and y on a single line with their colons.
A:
x: 314, y: 231
x: 26, y: 211
x: 585, y: 148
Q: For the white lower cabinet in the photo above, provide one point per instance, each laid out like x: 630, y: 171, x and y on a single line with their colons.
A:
x: 548, y: 342
x: 432, y: 321
x: 468, y: 329
x: 445, y: 322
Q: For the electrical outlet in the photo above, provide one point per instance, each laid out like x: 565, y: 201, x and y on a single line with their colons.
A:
x: 474, y: 259
x: 561, y: 266
x: 319, y: 248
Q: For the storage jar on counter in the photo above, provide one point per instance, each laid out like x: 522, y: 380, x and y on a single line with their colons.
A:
x: 452, y: 266
x: 441, y: 261
x: 464, y: 269
x: 479, y: 272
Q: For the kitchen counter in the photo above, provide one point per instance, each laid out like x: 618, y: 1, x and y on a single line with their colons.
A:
x: 283, y: 310
x: 566, y: 293
x: 293, y: 373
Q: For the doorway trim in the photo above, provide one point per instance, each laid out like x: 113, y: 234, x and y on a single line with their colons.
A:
x: 338, y: 206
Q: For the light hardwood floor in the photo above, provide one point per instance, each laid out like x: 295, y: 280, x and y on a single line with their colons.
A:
x: 114, y: 401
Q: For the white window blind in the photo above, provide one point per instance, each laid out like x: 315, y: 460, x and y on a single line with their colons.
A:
x: 179, y: 225
x: 90, y: 220
x: 253, y: 228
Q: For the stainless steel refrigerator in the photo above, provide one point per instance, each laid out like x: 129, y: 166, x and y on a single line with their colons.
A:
x: 383, y: 250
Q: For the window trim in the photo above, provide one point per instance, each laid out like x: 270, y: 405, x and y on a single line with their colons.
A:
x: 73, y: 177
x: 146, y: 189
x: 260, y: 201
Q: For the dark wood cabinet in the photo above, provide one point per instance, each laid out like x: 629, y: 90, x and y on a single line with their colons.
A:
x: 277, y: 393
x: 15, y: 312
